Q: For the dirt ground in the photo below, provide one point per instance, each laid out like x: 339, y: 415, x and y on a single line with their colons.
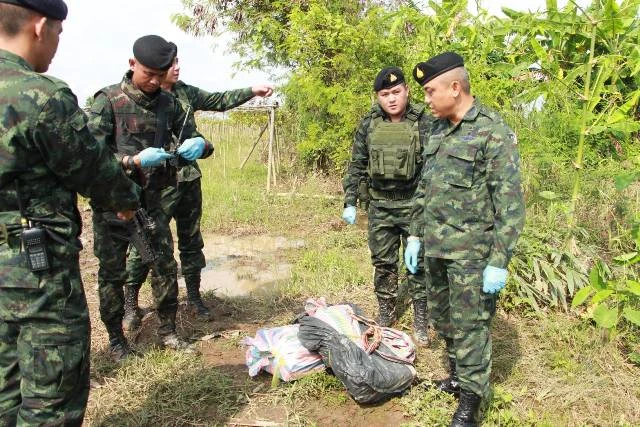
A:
x: 218, y: 341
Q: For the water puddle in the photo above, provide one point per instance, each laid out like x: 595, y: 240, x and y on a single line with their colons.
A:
x: 239, y: 265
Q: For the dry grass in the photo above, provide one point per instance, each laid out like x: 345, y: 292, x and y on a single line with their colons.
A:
x: 548, y: 370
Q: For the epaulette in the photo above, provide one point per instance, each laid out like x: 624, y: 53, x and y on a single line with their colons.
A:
x: 489, y: 113
x: 58, y: 83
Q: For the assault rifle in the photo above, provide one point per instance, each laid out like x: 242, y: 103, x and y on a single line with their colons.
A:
x: 139, y: 231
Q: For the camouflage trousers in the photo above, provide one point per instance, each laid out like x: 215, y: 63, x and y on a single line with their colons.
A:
x: 388, y: 229
x: 112, y: 255
x: 184, y: 204
x: 462, y: 314
x: 44, y: 342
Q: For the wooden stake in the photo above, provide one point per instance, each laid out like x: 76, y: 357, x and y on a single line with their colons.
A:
x: 254, y: 145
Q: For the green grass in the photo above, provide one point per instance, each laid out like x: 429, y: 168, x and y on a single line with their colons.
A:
x: 550, y: 368
x: 164, y: 388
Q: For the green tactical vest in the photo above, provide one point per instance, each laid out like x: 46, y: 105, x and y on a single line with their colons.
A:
x: 394, y: 148
x: 135, y: 129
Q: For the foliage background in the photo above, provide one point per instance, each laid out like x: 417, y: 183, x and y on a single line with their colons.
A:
x: 580, y: 154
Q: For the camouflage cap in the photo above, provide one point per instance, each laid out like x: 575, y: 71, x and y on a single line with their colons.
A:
x: 154, y: 52
x: 387, y: 78
x: 54, y: 9
x: 426, y: 71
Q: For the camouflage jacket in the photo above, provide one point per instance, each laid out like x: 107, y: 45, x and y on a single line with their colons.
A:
x: 358, y: 167
x: 124, y: 118
x: 201, y: 100
x: 47, y: 156
x: 468, y: 204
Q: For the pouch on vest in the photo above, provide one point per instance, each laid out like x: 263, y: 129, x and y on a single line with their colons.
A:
x: 393, y: 150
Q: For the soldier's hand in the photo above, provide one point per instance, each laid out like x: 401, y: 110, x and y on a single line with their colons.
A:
x: 493, y: 279
x: 125, y: 215
x: 349, y: 215
x: 411, y: 254
x: 153, y: 156
x: 262, y: 90
x: 192, y: 148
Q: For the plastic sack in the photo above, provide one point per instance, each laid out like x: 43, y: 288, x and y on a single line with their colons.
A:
x: 279, y: 352
x: 374, y: 364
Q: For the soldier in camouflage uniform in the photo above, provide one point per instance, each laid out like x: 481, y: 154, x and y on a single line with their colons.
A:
x: 468, y: 213
x: 184, y: 201
x: 47, y: 156
x: 129, y: 117
x: 386, y: 163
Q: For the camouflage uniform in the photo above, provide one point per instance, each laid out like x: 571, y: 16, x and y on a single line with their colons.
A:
x: 125, y: 119
x: 183, y: 202
x: 47, y: 155
x: 469, y: 211
x: 389, y: 208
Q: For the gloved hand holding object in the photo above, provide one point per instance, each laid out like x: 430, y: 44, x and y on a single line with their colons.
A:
x: 192, y: 148
x: 153, y: 156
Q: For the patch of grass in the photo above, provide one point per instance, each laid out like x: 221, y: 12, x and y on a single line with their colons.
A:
x: 164, y: 388
x: 548, y: 368
x: 317, y: 386
x: 428, y: 407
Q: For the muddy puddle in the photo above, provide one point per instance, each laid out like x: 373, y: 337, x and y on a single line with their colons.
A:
x: 240, y: 265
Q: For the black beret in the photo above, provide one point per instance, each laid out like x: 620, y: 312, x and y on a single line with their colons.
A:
x: 426, y: 71
x: 387, y: 78
x: 54, y: 9
x: 154, y: 52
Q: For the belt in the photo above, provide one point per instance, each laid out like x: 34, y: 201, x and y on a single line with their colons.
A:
x: 391, y: 195
x: 4, y: 234
x: 10, y: 237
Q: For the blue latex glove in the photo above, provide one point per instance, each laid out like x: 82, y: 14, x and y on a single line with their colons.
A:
x: 153, y: 156
x: 411, y: 253
x: 192, y: 148
x: 349, y: 215
x: 493, y: 279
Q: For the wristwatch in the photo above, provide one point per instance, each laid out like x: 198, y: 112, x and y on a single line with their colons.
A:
x: 131, y: 164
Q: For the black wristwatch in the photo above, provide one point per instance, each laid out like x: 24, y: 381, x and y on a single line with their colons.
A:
x: 131, y: 164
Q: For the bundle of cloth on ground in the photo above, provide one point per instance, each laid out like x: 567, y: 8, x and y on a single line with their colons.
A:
x: 374, y: 363
x: 279, y: 352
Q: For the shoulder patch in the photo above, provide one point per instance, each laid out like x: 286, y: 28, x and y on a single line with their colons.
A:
x: 78, y: 120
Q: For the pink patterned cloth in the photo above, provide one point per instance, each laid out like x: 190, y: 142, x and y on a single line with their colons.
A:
x: 279, y: 352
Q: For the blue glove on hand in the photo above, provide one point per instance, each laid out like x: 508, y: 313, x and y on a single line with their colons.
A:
x: 153, y: 156
x: 349, y: 215
x: 192, y: 148
x: 493, y: 279
x: 411, y: 253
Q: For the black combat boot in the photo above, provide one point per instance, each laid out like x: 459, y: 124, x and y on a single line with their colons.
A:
x: 167, y: 331
x: 420, y: 324
x: 387, y: 312
x: 450, y: 384
x: 119, y: 349
x: 174, y: 342
x: 194, y: 299
x: 468, y: 412
x: 131, y: 320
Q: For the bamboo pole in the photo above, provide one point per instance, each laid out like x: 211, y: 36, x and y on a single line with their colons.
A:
x: 254, y: 145
x: 270, y: 157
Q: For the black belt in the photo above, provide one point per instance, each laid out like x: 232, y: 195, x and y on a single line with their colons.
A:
x: 9, y: 236
x: 391, y: 195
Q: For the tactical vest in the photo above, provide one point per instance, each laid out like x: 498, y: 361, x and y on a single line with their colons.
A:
x: 394, y: 149
x: 135, y: 129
